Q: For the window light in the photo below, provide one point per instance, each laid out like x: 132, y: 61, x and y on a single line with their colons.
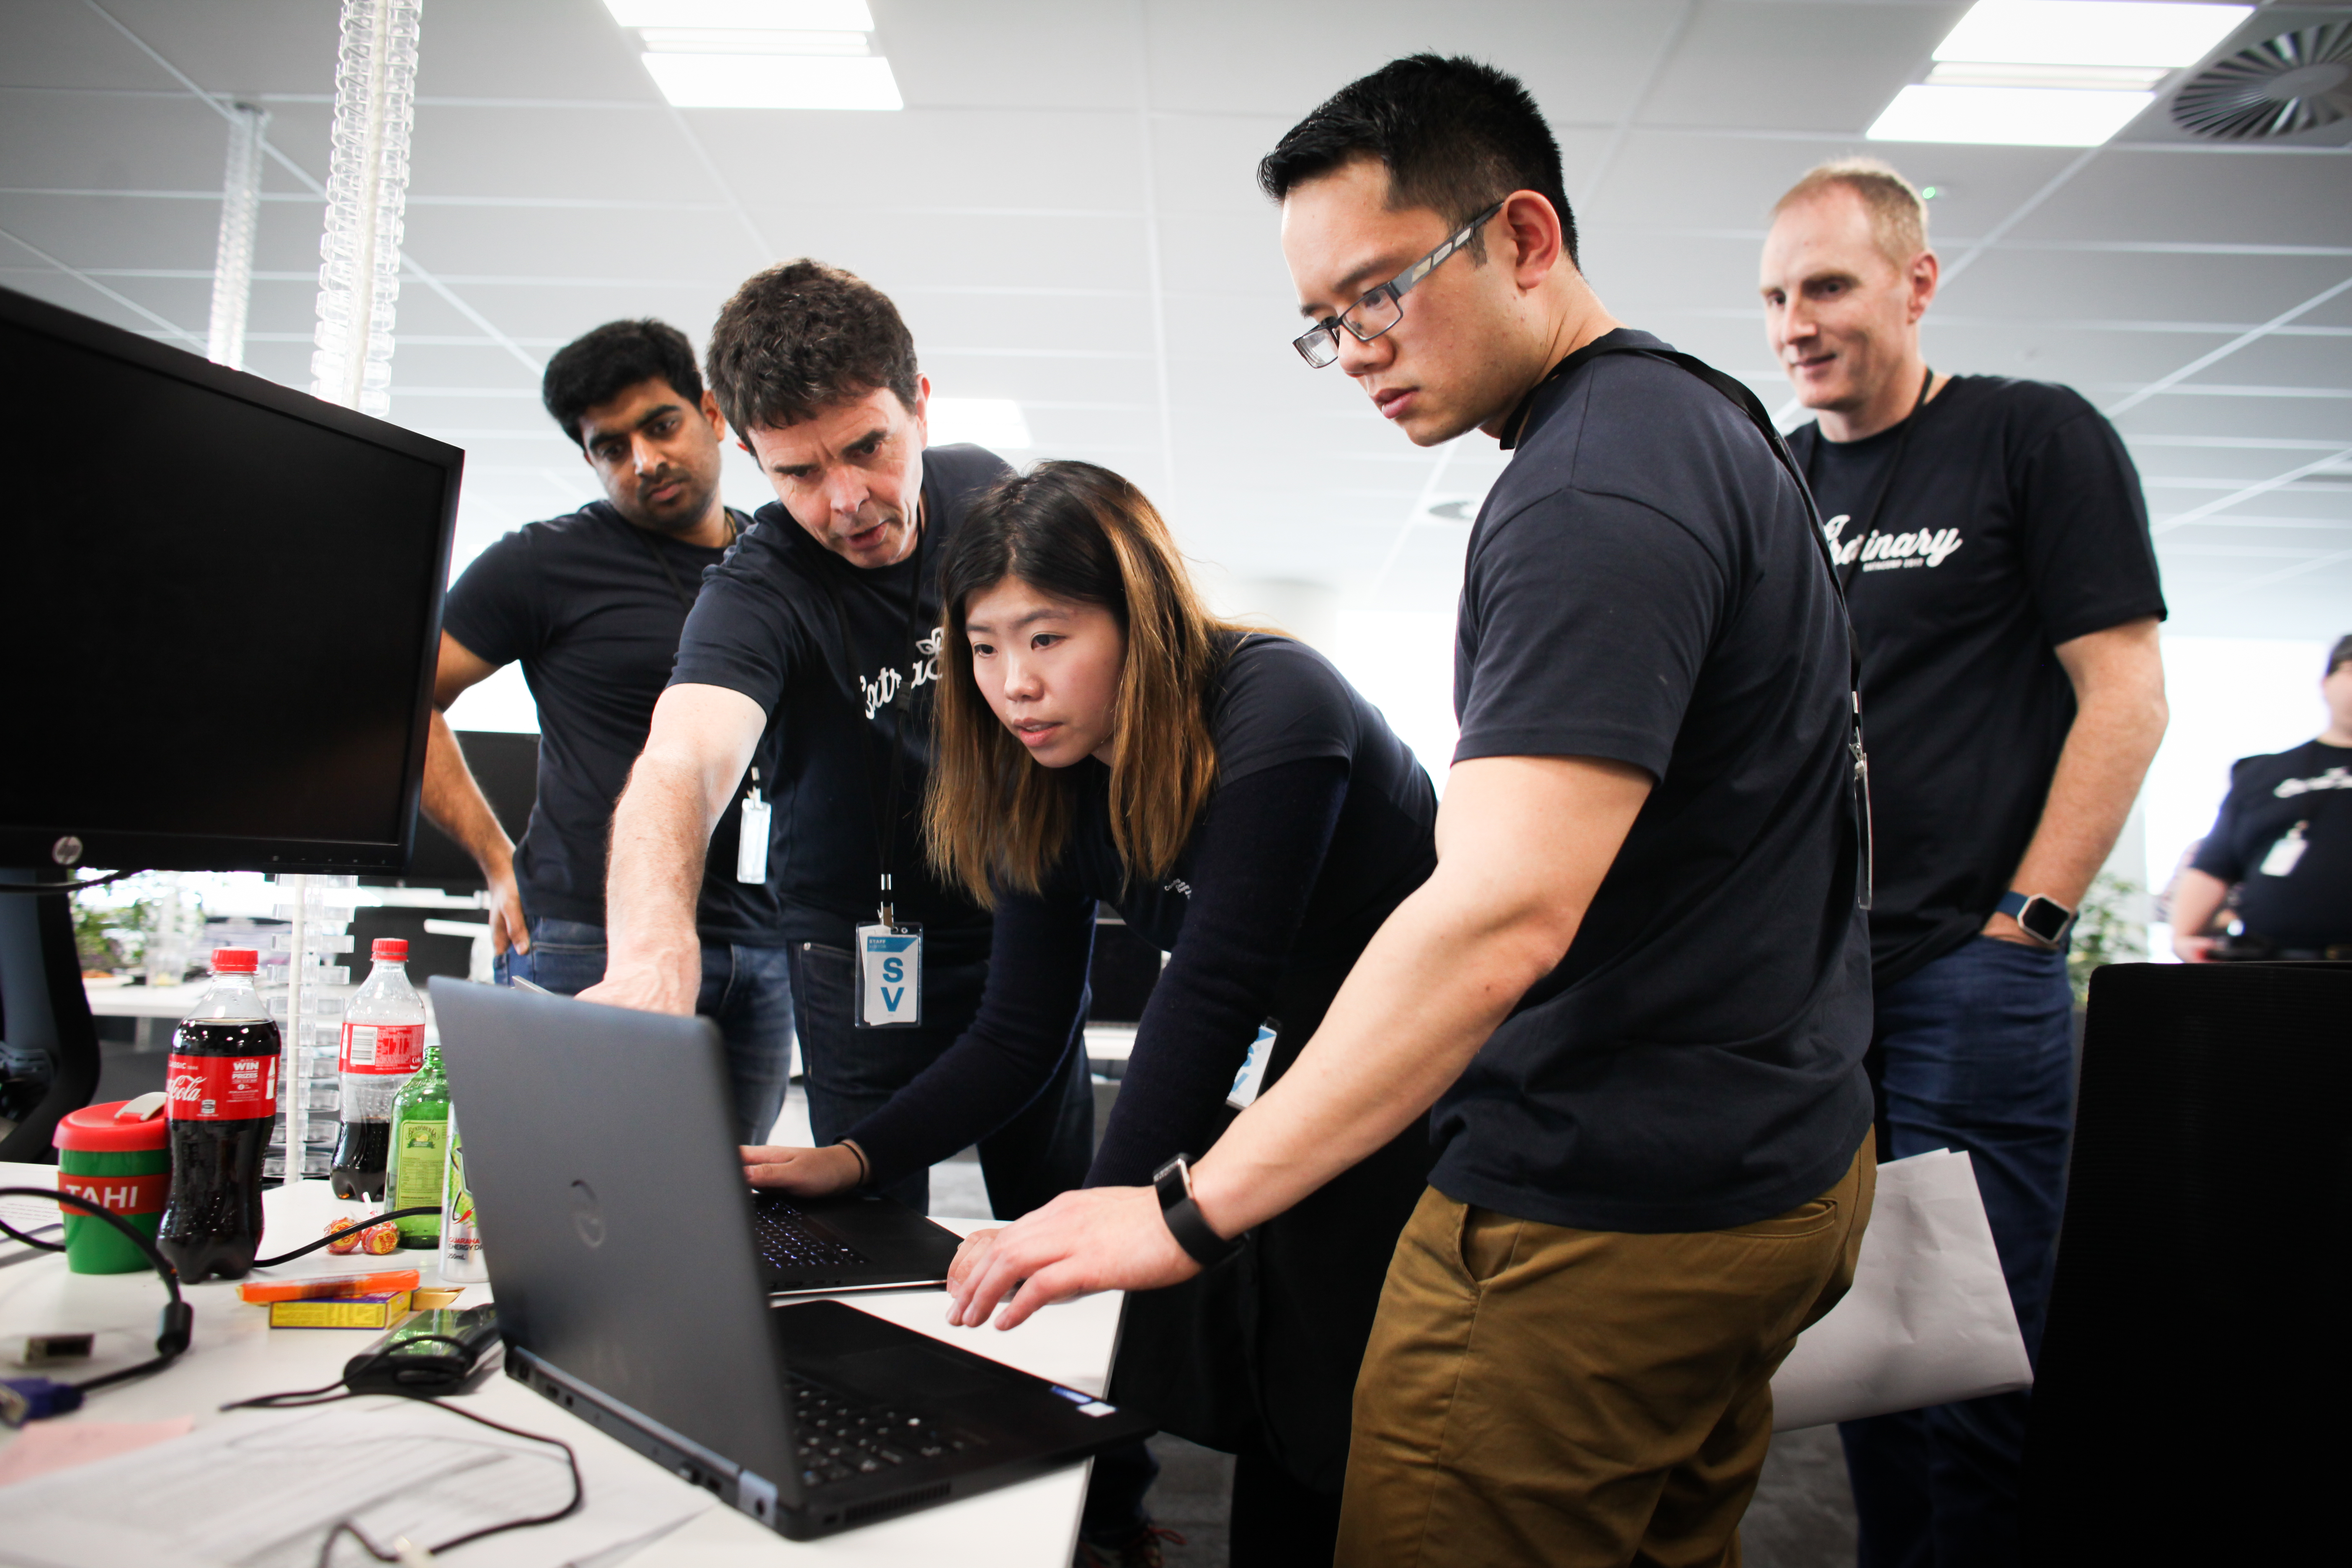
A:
x: 996, y: 423
x: 2052, y: 73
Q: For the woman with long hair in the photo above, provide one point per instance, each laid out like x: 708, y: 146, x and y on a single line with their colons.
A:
x: 1100, y: 737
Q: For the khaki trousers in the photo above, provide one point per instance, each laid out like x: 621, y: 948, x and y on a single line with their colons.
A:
x: 1534, y: 1393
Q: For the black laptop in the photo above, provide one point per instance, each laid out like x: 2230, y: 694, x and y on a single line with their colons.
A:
x: 621, y: 1244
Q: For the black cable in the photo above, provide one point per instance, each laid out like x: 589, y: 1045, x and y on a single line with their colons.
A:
x: 301, y: 1399
x: 353, y: 1228
x: 69, y: 887
x: 179, y: 1319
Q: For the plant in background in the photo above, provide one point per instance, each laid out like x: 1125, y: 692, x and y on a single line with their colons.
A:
x: 108, y: 937
x: 2104, y: 931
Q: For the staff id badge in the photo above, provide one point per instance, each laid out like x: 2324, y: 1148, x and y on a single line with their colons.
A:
x: 1252, y: 1078
x: 751, y: 839
x: 889, y: 976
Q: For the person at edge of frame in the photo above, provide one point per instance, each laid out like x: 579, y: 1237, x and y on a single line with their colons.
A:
x: 2284, y: 844
x: 1636, y: 986
x: 815, y: 644
x: 591, y: 603
x: 2002, y: 583
x: 1102, y: 738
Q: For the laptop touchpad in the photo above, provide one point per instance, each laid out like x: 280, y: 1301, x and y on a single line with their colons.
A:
x: 910, y: 1372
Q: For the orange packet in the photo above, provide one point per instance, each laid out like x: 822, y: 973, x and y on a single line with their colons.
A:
x: 382, y: 1282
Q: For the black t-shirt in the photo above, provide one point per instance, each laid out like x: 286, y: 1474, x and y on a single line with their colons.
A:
x: 1319, y: 825
x: 2014, y: 522
x: 1642, y: 585
x: 765, y: 627
x: 2284, y: 838
x: 583, y: 603
x: 1280, y: 702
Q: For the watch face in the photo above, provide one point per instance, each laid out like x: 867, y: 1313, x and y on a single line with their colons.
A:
x: 2045, y: 919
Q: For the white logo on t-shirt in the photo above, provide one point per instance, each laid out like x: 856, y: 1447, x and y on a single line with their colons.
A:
x: 1886, y: 551
x: 2334, y: 778
x: 888, y: 682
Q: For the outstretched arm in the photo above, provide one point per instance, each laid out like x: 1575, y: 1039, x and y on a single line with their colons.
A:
x: 1523, y: 844
x: 701, y: 741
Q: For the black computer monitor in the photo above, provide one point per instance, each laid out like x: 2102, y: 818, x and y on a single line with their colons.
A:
x: 219, y: 618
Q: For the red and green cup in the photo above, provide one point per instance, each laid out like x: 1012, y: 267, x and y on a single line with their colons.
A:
x: 117, y: 1155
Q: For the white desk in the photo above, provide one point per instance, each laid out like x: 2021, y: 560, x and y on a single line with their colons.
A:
x: 236, y: 1355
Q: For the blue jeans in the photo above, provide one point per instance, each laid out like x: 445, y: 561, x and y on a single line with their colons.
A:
x: 852, y: 1072
x: 1976, y: 1052
x: 746, y: 991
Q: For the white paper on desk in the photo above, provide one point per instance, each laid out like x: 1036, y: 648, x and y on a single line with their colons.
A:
x: 261, y: 1489
x: 1928, y: 1319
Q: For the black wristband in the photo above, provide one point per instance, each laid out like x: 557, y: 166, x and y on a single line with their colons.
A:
x: 1173, y: 1181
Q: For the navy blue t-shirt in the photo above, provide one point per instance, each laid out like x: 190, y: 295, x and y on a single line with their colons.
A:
x: 2285, y: 840
x: 1643, y: 585
x: 583, y: 602
x: 765, y: 626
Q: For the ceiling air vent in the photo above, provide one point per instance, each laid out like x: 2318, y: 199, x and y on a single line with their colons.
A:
x: 2295, y: 82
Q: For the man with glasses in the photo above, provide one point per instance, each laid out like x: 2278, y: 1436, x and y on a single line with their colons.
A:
x: 1636, y: 989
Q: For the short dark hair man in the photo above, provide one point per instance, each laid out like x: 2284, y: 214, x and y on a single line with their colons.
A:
x: 593, y: 603
x: 1996, y: 553
x: 1636, y: 986
x: 2283, y: 842
x: 816, y: 642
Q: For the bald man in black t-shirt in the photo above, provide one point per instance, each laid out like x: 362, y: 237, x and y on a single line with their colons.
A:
x: 1996, y: 556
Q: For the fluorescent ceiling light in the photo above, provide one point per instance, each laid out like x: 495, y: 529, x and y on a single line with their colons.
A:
x: 2008, y: 116
x: 996, y: 423
x: 2089, y: 33
x: 766, y: 15
x: 1977, y: 73
x: 775, y: 82
x: 757, y: 41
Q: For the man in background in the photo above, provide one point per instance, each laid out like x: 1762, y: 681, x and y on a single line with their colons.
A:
x: 2283, y: 841
x: 1995, y: 550
x: 591, y: 603
x: 816, y: 643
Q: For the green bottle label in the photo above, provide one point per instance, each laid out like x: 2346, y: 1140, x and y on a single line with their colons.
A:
x: 418, y: 1149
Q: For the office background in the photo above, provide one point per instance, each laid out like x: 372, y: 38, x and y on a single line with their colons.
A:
x: 1063, y: 206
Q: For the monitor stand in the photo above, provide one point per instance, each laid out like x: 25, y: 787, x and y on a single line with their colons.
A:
x: 48, y: 1042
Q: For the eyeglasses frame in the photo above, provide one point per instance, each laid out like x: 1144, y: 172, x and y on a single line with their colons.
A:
x: 1396, y: 288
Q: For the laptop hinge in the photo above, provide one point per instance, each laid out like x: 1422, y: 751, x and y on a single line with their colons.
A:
x: 685, y: 1444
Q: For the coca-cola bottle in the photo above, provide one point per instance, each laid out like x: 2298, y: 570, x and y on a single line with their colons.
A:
x: 383, y: 1045
x: 223, y: 1081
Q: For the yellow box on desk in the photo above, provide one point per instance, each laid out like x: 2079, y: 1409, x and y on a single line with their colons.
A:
x: 340, y: 1311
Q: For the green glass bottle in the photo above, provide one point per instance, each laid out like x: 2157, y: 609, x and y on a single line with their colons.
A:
x: 420, y: 1137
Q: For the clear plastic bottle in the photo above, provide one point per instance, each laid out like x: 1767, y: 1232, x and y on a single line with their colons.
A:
x: 383, y: 1045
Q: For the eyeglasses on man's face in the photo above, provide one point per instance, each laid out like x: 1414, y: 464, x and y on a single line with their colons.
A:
x: 1383, y: 307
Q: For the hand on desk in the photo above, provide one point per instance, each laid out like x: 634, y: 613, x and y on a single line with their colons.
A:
x: 1103, y: 1239
x: 807, y: 1173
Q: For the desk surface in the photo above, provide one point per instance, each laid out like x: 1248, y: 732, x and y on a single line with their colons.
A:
x: 236, y: 1354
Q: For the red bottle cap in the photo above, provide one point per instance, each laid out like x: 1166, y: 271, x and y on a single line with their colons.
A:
x: 235, y: 960
x: 390, y: 949
x: 99, y: 1129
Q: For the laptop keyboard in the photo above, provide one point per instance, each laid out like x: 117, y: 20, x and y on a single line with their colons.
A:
x: 841, y: 1436
x: 790, y: 1244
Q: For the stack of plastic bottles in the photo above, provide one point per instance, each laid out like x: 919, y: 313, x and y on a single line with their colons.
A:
x: 313, y: 1041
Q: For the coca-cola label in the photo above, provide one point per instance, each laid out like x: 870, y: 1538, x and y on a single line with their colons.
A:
x: 119, y: 1195
x: 222, y: 1088
x: 383, y: 1047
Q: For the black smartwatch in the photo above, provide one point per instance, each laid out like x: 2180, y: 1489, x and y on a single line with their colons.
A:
x: 1173, y: 1181
x: 2043, y: 919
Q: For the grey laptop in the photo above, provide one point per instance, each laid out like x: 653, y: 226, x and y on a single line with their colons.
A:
x: 620, y: 1240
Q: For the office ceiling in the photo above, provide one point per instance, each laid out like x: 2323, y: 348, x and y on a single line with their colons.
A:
x: 1065, y: 211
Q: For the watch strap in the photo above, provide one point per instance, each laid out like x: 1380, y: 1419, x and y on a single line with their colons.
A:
x: 1191, y: 1228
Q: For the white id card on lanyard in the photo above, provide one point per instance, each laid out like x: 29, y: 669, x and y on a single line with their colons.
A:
x: 889, y: 976
x: 1252, y: 1078
x: 2285, y: 853
x: 751, y: 837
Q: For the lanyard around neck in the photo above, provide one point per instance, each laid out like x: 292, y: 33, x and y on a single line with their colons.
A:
x: 886, y: 821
